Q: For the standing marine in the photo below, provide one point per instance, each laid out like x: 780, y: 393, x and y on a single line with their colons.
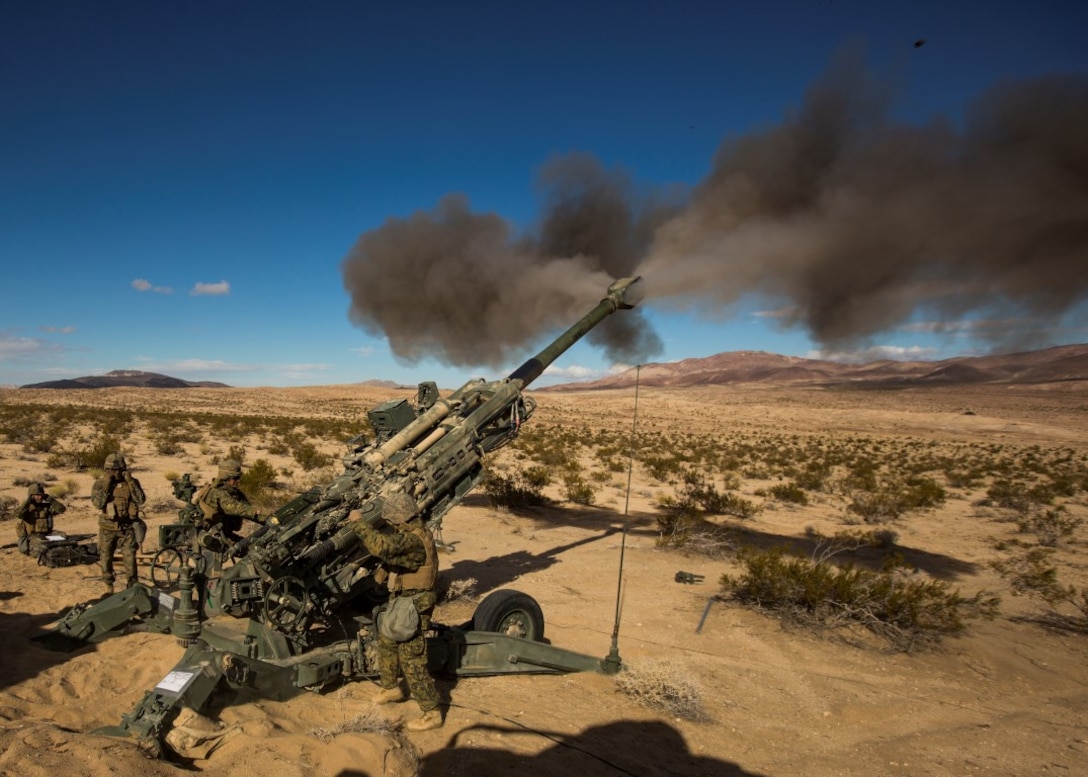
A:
x: 35, y: 520
x: 409, y: 569
x: 119, y: 496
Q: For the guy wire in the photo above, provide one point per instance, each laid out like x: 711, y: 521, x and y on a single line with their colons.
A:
x: 613, y: 660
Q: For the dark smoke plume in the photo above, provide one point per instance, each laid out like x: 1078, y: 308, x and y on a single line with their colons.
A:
x: 853, y: 222
x: 460, y: 286
x: 848, y: 220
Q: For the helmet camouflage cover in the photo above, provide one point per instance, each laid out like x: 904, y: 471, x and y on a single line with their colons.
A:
x: 229, y: 468
x: 399, y: 508
x: 115, y: 461
x: 35, y: 488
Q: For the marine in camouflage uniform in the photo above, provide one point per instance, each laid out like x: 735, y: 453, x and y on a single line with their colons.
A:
x: 409, y: 568
x: 119, y: 496
x: 225, y: 505
x: 35, y: 520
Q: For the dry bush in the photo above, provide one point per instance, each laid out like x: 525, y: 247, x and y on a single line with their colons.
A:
x: 8, y: 506
x: 1034, y: 574
x: 65, y: 488
x: 905, y: 611
x: 369, y: 722
x: 459, y: 590
x: 663, y: 685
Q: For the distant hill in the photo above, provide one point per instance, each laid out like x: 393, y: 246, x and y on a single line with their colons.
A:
x: 125, y: 378
x: 1060, y: 364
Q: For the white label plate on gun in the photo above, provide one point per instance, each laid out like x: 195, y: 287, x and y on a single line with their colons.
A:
x: 175, y: 682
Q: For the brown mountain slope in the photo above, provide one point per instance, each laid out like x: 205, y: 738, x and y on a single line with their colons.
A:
x: 1060, y: 364
x: 115, y: 378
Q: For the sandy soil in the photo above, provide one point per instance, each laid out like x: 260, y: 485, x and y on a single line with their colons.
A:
x: 1008, y: 698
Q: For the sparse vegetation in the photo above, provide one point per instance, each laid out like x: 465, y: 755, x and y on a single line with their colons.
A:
x: 664, y: 686
x: 907, y: 612
x: 459, y: 590
x: 1034, y: 574
x: 8, y: 506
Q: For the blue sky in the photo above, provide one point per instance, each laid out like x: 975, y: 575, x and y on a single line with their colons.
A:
x: 181, y: 183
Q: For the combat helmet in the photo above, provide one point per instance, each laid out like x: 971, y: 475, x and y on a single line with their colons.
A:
x: 229, y: 468
x: 399, y: 508
x: 35, y: 488
x: 115, y: 461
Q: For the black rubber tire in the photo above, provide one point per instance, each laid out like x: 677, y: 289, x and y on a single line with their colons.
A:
x: 512, y: 613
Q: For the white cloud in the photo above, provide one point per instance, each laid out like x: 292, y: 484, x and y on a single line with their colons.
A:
x: 142, y: 284
x: 211, y: 289
x: 60, y: 330
x: 197, y: 365
x: 363, y: 350
x: 301, y: 371
x: 875, y: 353
x: 12, y: 347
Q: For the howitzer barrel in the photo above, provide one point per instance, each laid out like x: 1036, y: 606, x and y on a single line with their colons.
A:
x: 613, y: 301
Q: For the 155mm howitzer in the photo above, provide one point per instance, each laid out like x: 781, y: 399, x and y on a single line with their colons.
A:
x: 304, y: 565
x: 287, y: 585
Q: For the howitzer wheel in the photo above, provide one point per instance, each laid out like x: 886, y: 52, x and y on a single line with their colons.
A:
x: 512, y: 613
x: 166, y: 566
x: 285, y: 603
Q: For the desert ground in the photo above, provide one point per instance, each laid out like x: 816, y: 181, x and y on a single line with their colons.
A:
x: 1007, y: 697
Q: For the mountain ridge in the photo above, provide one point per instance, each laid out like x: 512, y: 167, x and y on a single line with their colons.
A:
x: 132, y: 378
x: 1057, y: 364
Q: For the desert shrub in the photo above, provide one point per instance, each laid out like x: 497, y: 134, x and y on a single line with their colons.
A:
x: 961, y: 478
x: 258, y: 479
x: 238, y: 453
x: 66, y: 458
x: 1010, y: 494
x: 789, y: 492
x: 369, y: 721
x: 538, y: 477
x: 278, y: 447
x: 94, y: 456
x: 1050, y: 527
x: 8, y: 506
x: 309, y: 457
x: 696, y: 494
x: 907, y: 612
x: 664, y: 686
x: 65, y: 488
x: 459, y: 590
x: 42, y: 477
x: 814, y: 477
x: 824, y: 547
x: 920, y: 493
x: 889, y: 499
x: 1032, y: 574
x: 512, y: 491
x: 687, y: 531
x: 577, y: 490
x: 167, y: 445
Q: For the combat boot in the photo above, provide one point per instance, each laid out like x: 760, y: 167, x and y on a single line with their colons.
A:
x: 387, y: 695
x: 425, y: 722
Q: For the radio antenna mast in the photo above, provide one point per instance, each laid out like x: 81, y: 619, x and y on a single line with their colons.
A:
x: 612, y: 662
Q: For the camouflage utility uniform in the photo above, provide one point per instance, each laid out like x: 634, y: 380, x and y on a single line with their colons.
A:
x: 119, y: 496
x: 409, y: 568
x: 225, y: 504
x: 35, y: 519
